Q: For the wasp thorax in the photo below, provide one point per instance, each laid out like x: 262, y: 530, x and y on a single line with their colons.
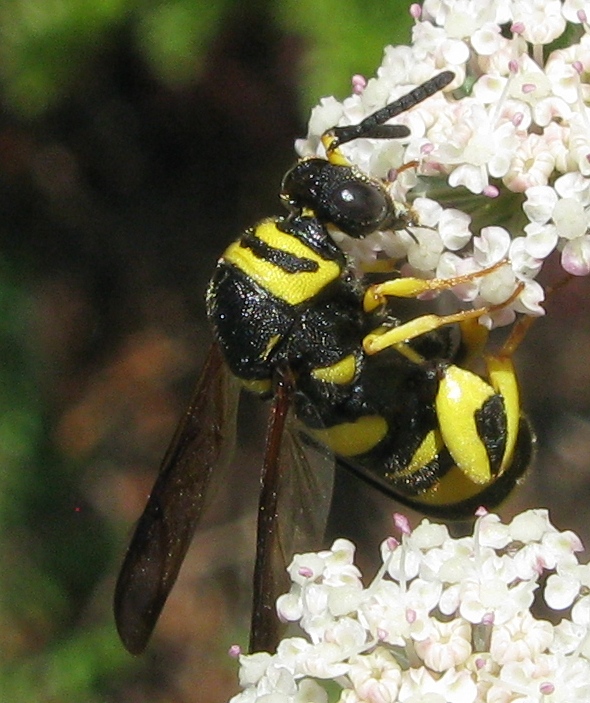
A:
x: 340, y: 195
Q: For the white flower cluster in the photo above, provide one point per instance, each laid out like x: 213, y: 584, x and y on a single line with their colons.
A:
x: 513, y: 130
x: 444, y: 621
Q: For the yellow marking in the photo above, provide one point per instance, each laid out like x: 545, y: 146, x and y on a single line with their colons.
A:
x: 453, y: 488
x: 474, y: 336
x: 503, y: 378
x: 333, y: 154
x: 379, y: 340
x: 353, y: 438
x: 293, y: 288
x: 460, y: 394
x: 429, y: 449
x: 374, y: 343
x: 456, y: 485
x: 260, y: 387
x: 371, y: 341
x: 410, y: 354
x: 412, y: 287
x: 379, y: 266
x: 341, y: 372
x: 409, y: 287
x: 431, y: 446
x: 271, y: 344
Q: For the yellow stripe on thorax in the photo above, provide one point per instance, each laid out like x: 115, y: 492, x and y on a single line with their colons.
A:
x: 293, y: 288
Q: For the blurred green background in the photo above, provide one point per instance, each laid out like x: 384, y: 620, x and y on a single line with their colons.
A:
x: 137, y: 138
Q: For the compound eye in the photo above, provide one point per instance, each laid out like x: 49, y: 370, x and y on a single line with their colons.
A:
x: 359, y: 207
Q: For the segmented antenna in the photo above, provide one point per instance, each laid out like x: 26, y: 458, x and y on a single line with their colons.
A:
x: 373, y: 127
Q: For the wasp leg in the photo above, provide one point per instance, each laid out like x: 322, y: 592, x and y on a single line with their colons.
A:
x: 410, y: 287
x: 383, y: 338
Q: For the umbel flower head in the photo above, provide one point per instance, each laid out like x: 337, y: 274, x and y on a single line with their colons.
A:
x: 444, y: 621
x: 506, y: 145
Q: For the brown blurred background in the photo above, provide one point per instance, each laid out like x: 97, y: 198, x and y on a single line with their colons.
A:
x: 136, y: 140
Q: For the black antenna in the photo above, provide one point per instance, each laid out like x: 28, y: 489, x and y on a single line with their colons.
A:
x: 373, y: 127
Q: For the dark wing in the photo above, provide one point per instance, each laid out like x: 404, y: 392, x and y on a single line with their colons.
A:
x: 203, y: 442
x: 297, y: 484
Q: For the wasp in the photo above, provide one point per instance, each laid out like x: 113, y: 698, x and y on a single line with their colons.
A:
x: 397, y: 402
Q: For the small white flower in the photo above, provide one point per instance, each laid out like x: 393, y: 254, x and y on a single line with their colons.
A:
x: 491, y: 246
x: 429, y: 535
x: 448, y: 645
x: 428, y: 211
x: 572, y: 10
x: 487, y: 39
x: 563, y: 74
x: 560, y: 591
x: 453, y: 227
x: 539, y: 242
x: 253, y: 667
x: 575, y: 257
x: 306, y: 568
x: 394, y: 614
x: 491, y: 532
x: 539, y: 204
x: 532, y: 164
x: 325, y: 661
x: 562, y: 680
x: 520, y: 639
x: 581, y: 612
x: 541, y: 19
x: 425, y: 249
x: 561, y: 545
x: 375, y: 677
x: 570, y: 218
x: 567, y: 637
x: 529, y: 301
x: 339, y: 566
x: 492, y: 598
x: 290, y: 607
x: 498, y: 286
x: 531, y: 525
x: 574, y: 185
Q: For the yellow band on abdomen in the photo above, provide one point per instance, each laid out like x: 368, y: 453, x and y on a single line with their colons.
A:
x: 353, y: 438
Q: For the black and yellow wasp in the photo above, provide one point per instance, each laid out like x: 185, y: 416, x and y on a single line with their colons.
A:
x: 397, y: 402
